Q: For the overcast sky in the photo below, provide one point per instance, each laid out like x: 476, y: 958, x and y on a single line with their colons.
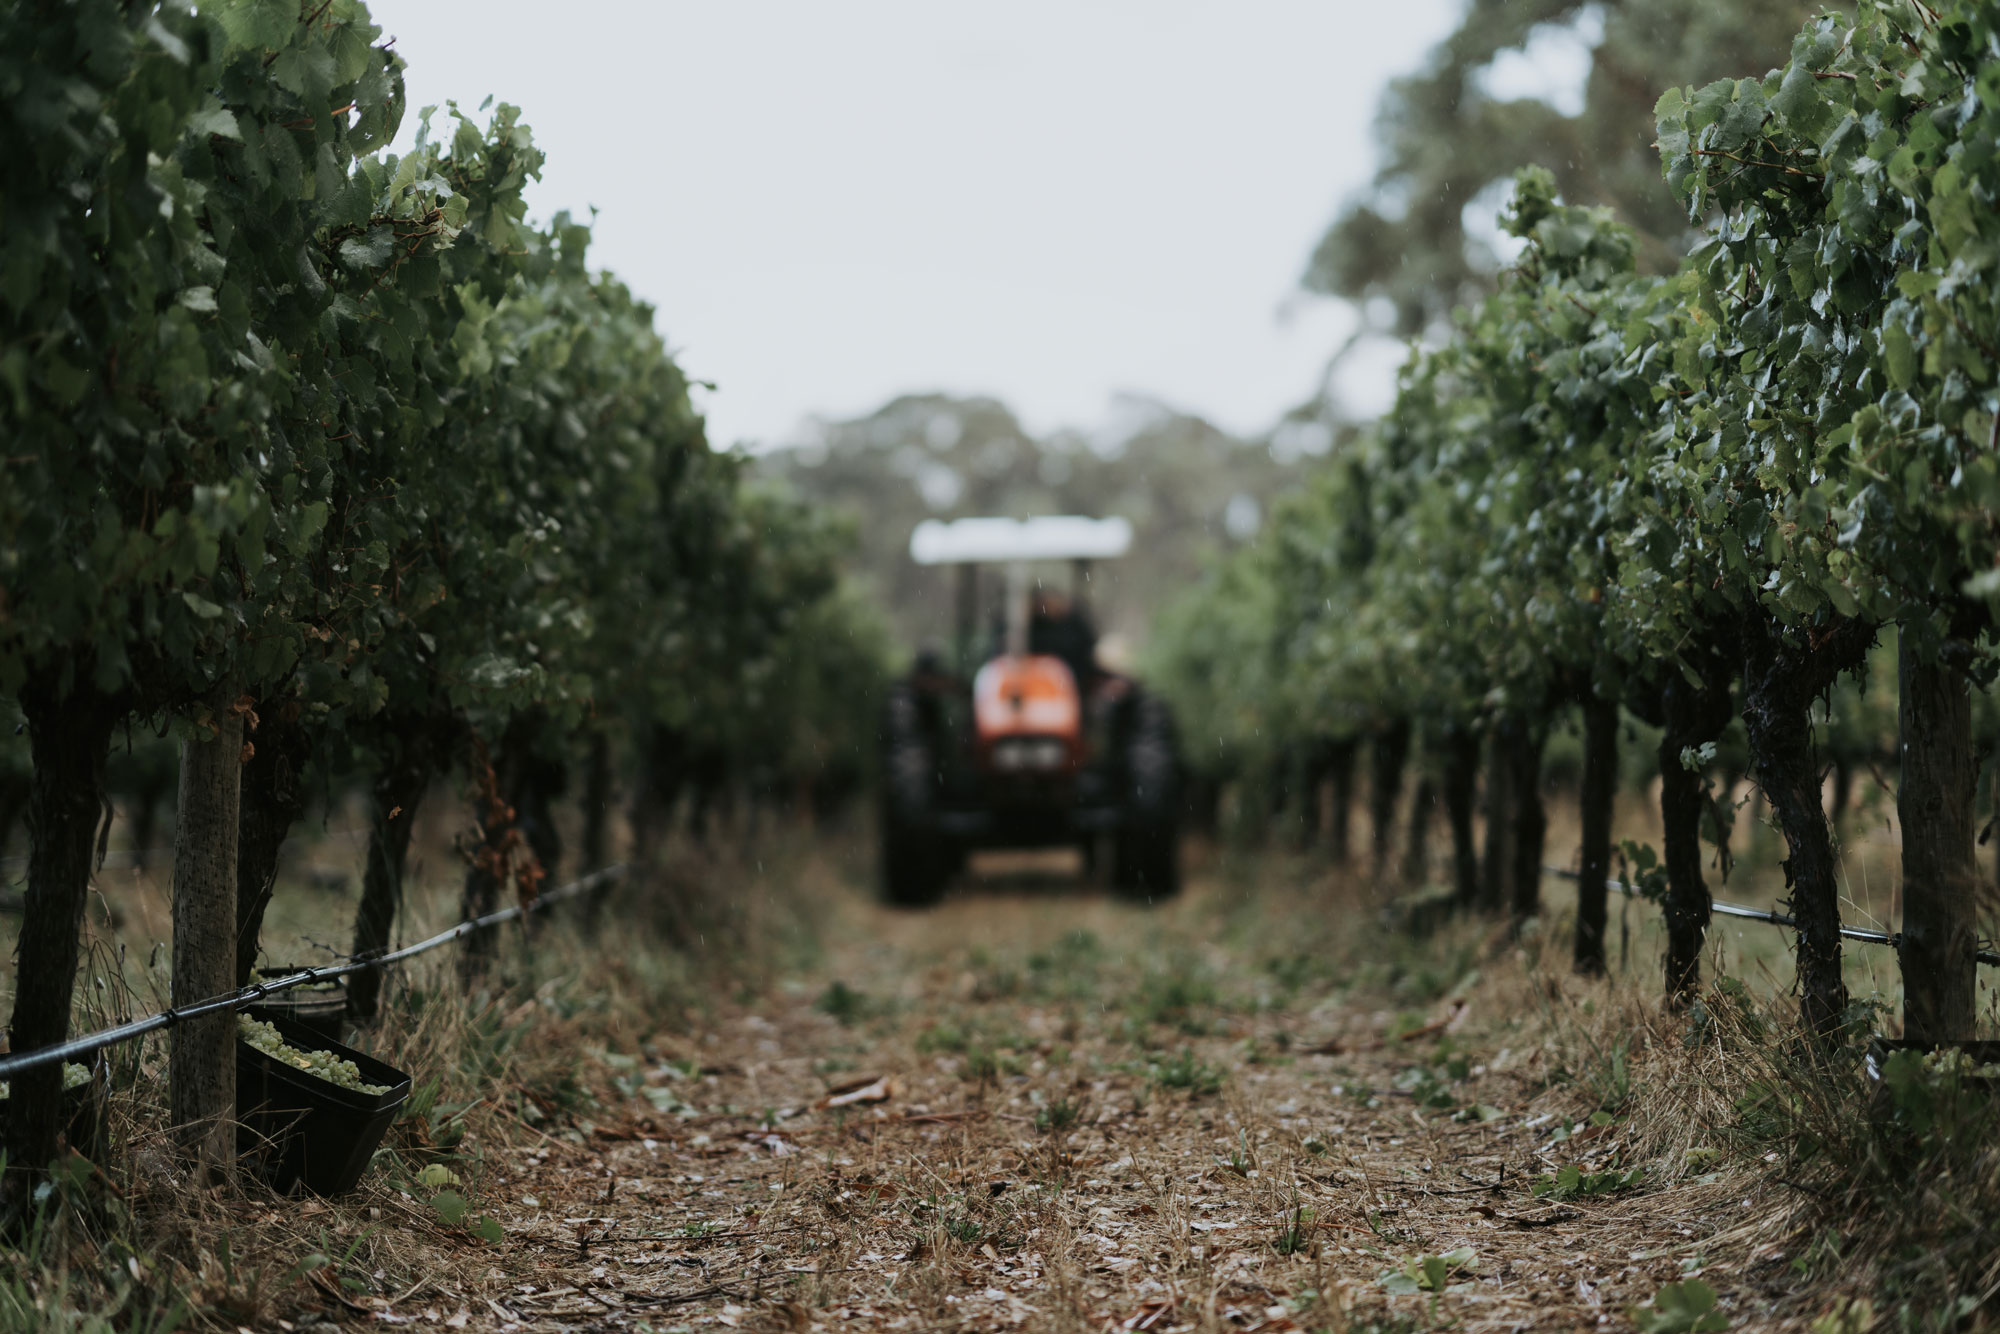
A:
x: 1053, y: 203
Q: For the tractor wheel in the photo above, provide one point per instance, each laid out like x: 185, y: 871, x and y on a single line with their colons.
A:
x: 1146, y: 858
x: 913, y: 866
x: 915, y: 861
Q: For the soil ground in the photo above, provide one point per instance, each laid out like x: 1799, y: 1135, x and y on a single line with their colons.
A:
x: 1259, y: 1106
x: 1038, y: 1107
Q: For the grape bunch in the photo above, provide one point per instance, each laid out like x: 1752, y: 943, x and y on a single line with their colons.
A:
x: 325, y: 1065
x: 74, y: 1076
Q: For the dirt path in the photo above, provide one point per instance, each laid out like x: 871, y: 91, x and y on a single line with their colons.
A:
x: 1036, y: 1107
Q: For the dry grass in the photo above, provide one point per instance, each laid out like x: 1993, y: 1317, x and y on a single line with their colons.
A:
x: 1254, y: 1108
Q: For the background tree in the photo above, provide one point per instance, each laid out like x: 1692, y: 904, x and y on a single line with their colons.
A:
x: 1187, y: 487
x: 1448, y: 145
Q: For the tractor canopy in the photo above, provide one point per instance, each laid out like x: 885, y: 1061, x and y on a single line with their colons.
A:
x: 995, y: 540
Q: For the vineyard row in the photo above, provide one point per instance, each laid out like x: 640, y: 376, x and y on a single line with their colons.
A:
x: 326, y: 461
x: 1687, y: 498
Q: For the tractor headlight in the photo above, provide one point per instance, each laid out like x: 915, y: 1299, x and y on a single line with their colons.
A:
x: 1029, y: 754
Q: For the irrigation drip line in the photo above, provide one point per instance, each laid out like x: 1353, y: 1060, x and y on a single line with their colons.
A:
x: 256, y: 991
x: 1776, y: 918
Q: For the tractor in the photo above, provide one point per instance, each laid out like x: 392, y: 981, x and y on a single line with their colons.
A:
x: 1023, y: 738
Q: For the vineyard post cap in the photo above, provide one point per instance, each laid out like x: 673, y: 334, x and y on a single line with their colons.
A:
x: 1048, y: 537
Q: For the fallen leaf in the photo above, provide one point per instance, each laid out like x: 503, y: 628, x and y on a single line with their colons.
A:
x: 878, y: 1090
x: 1559, y: 1214
x: 1148, y: 1315
x: 1436, y: 1026
x: 850, y: 1085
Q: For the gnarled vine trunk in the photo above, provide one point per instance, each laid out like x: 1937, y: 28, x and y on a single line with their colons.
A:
x: 394, y: 797
x: 274, y: 796
x: 1688, y: 717
x: 1461, y: 783
x: 1340, y: 802
x: 517, y: 828
x: 69, y: 736
x: 596, y: 801
x: 662, y: 777
x: 1298, y: 791
x: 147, y: 798
x: 1497, y: 856
x: 1783, y: 671
x: 1388, y: 754
x: 1417, y: 840
x: 1598, y: 795
x: 499, y: 838
x: 1531, y: 824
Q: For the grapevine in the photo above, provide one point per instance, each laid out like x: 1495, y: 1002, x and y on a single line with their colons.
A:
x: 1681, y: 497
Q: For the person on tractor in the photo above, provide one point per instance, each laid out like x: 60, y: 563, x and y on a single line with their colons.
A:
x: 1062, y: 630
x: 1038, y: 744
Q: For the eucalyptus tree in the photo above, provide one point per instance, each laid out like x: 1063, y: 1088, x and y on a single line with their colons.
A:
x: 1450, y: 139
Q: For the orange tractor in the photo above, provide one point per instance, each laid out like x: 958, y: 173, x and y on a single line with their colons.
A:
x: 1043, y: 746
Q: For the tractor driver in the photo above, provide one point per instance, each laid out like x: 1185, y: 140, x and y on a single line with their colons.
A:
x: 1061, y: 630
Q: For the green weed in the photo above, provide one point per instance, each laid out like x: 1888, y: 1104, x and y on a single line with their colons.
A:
x: 1188, y: 1071
x: 1242, y: 1159
x: 1295, y: 1230
x: 843, y: 1003
x: 1057, y: 1116
x: 1426, y: 1273
x: 1572, y: 1182
x: 943, y: 1037
x: 1686, y: 1307
x: 1176, y: 997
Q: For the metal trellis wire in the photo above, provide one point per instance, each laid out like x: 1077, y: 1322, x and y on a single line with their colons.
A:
x: 256, y: 991
x: 1775, y: 918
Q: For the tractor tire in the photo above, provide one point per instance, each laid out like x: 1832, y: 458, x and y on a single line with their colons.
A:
x: 913, y: 867
x: 1146, y: 855
x: 915, y: 860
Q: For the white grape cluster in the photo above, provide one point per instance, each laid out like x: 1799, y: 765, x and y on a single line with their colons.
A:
x: 1952, y: 1062
x: 317, y: 984
x: 74, y: 1076
x: 321, y: 1064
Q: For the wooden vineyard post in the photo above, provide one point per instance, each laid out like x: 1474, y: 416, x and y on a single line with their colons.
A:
x: 202, y: 1072
x: 1934, y: 805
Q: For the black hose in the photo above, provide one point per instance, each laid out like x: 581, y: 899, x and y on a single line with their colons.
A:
x: 256, y: 991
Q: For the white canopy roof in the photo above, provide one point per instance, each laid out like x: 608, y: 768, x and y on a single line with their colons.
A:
x: 1050, y: 537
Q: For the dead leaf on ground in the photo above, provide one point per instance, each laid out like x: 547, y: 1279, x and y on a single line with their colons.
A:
x: 1560, y: 1214
x: 847, y: 1095
x: 1458, y: 1011
x: 1149, y: 1315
